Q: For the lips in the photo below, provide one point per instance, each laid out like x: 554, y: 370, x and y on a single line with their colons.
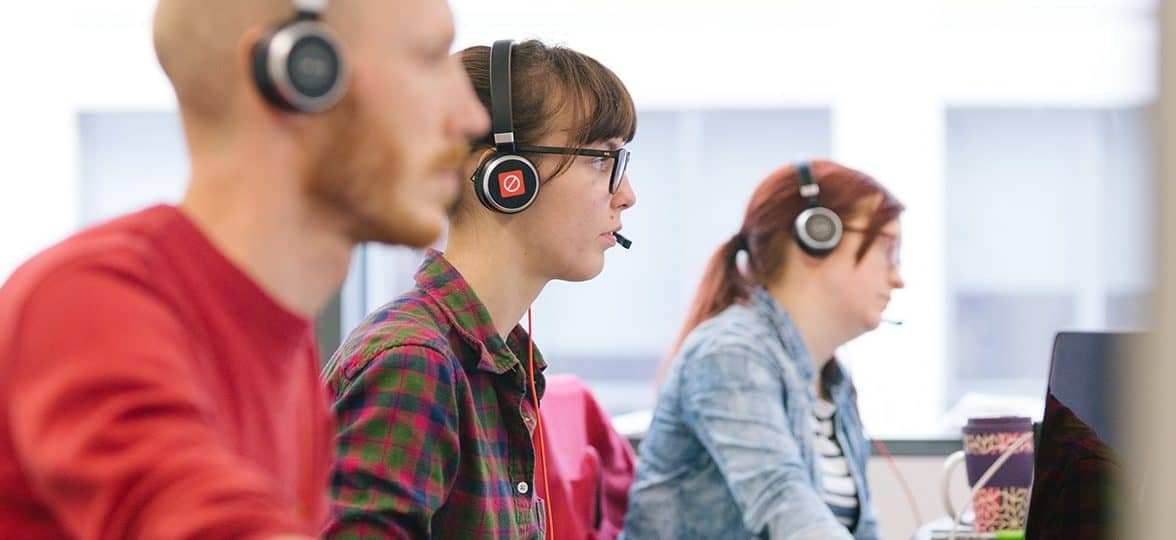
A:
x: 609, y: 237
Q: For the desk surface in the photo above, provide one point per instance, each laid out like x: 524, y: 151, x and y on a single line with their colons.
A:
x: 941, y: 526
x: 924, y: 532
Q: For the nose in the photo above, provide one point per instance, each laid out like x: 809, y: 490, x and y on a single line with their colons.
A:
x: 896, y: 281
x: 625, y: 197
x: 468, y: 119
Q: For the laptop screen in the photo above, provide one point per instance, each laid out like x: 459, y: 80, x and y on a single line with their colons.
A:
x: 1077, y: 461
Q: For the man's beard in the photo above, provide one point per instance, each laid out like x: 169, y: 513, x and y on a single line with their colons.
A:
x: 360, y: 172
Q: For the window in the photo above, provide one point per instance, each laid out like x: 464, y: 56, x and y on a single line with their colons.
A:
x: 129, y: 160
x: 1049, y: 228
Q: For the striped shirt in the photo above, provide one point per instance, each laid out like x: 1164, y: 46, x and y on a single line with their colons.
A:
x: 839, y: 491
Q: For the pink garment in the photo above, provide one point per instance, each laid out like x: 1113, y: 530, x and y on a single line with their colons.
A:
x: 589, y: 465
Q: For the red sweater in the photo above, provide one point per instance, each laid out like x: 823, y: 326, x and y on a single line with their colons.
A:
x: 150, y: 389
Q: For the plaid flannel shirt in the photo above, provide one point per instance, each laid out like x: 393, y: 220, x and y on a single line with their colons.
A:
x: 435, y: 420
x: 1076, y: 485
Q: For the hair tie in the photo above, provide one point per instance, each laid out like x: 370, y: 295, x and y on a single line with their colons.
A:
x: 739, y: 242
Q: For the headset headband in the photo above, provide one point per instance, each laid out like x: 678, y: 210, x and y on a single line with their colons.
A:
x: 500, y: 113
x: 316, y: 7
x: 808, y: 188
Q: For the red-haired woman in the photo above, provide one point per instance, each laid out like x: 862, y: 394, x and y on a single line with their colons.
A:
x: 756, y: 431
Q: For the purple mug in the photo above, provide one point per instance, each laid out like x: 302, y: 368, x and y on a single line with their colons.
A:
x: 1003, y: 502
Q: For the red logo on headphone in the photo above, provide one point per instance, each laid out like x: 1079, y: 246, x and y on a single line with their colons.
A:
x: 510, y: 184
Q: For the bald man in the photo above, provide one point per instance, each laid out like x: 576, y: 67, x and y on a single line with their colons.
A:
x: 158, y: 374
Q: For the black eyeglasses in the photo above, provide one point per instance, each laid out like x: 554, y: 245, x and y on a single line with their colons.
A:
x: 890, y: 244
x: 619, y: 156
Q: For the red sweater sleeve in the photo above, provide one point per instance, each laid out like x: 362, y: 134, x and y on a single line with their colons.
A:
x: 113, y: 429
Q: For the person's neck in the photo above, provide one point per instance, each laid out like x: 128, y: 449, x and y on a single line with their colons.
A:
x: 248, y: 200
x: 494, y: 269
x: 818, y: 325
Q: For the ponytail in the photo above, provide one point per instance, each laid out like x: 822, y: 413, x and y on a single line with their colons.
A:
x: 723, y: 284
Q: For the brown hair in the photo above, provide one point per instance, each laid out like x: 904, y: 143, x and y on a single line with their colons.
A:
x: 767, y: 226
x: 549, y: 80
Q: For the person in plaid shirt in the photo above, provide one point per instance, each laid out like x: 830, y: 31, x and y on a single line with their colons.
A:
x: 433, y: 391
x: 1077, y: 482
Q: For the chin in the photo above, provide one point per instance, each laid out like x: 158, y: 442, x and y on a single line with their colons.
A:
x: 417, y: 231
x: 585, y: 271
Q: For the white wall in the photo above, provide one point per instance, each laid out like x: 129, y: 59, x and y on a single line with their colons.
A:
x: 895, y: 518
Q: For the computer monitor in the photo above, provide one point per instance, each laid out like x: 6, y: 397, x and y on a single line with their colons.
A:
x: 1077, y: 466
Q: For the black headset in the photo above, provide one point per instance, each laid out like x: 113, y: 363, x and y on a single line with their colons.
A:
x: 817, y: 229
x: 505, y: 181
x: 299, y: 65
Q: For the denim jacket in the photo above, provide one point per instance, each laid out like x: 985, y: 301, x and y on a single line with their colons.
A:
x: 729, y: 453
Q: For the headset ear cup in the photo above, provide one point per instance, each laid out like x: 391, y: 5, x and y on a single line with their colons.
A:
x: 796, y: 227
x: 479, y: 184
x: 299, y: 66
x: 817, y: 230
x: 805, y: 246
x: 261, y: 73
x: 507, y: 183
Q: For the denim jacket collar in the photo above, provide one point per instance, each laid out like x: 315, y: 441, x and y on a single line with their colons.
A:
x: 833, y: 373
x: 790, y: 337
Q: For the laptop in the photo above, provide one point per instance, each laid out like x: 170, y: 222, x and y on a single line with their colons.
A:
x: 1077, y: 462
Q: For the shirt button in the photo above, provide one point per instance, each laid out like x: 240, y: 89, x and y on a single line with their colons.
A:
x: 523, y: 488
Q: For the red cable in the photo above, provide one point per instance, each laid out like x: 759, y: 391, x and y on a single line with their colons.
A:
x: 906, y: 488
x: 539, y: 423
